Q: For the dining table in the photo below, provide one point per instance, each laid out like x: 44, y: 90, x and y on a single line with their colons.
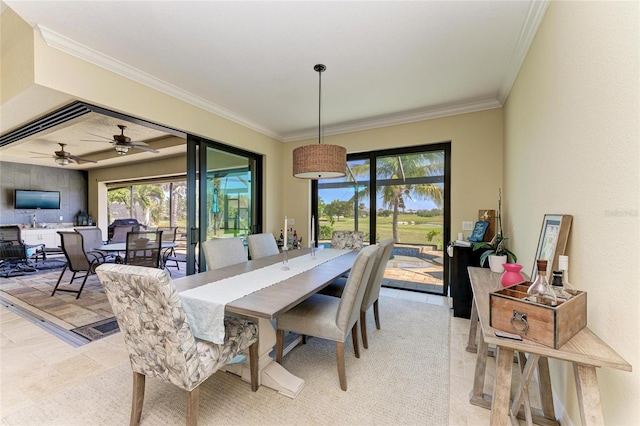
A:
x: 118, y: 247
x: 269, y: 287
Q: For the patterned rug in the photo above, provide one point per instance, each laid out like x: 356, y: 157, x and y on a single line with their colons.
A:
x: 29, y: 268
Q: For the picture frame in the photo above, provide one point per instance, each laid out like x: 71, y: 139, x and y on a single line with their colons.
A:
x: 552, y: 242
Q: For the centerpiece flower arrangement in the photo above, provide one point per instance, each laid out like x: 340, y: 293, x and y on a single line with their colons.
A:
x: 496, y: 247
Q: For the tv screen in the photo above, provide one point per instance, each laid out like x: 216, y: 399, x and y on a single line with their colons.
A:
x: 28, y: 200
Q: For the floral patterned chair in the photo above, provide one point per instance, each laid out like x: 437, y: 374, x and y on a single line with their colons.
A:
x: 347, y: 240
x: 159, y: 338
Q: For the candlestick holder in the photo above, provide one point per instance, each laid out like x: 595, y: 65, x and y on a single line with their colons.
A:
x: 285, y: 260
x: 313, y: 250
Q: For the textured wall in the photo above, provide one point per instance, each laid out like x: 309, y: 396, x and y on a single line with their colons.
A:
x: 72, y: 185
x: 572, y: 147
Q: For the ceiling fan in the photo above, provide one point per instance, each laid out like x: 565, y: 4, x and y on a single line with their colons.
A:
x: 63, y: 157
x: 123, y: 143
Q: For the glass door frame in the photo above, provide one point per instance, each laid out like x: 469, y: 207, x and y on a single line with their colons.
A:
x: 197, y: 214
x: 372, y: 157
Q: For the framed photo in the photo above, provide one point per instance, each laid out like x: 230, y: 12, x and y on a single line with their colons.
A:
x: 552, y: 242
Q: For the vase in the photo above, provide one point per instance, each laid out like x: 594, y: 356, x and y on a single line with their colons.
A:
x: 496, y: 262
x: 511, y: 275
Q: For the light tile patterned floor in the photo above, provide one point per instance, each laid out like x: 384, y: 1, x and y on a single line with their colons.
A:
x: 36, y: 364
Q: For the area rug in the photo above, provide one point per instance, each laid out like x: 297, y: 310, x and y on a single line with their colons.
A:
x: 402, y: 379
x: 98, y: 330
x: 30, y: 268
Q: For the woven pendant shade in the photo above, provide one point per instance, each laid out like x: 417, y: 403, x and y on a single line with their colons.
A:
x: 319, y: 161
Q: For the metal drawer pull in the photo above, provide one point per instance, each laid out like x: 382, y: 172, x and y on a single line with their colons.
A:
x: 520, y: 319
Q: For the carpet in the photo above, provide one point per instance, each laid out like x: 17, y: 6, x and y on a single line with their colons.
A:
x: 29, y: 268
x: 98, y: 330
x: 402, y: 379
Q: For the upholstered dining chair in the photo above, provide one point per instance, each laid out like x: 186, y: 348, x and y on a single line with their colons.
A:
x: 92, y: 239
x: 330, y: 317
x: 262, y: 245
x: 221, y: 252
x: 77, y: 261
x: 353, y: 240
x: 143, y: 248
x: 372, y: 293
x: 159, y: 339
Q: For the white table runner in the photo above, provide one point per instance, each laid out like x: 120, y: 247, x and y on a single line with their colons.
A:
x: 205, y: 305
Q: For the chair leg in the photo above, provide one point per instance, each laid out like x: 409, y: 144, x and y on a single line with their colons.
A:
x: 376, y: 314
x: 253, y: 366
x: 354, y: 337
x: 193, y: 405
x: 137, y: 399
x: 363, y: 329
x: 342, y: 375
x: 86, y: 275
x: 60, y: 279
x: 279, y: 345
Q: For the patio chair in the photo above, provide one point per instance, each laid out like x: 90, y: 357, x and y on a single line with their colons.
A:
x: 262, y: 245
x: 330, y: 317
x: 169, y: 254
x: 147, y: 306
x: 14, y: 250
x: 77, y: 261
x: 92, y: 240
x: 221, y: 252
x: 372, y: 292
x: 120, y: 233
x: 143, y: 248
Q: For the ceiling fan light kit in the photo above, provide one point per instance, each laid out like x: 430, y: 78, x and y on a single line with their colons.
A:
x: 319, y: 161
x: 61, y: 161
x: 121, y: 149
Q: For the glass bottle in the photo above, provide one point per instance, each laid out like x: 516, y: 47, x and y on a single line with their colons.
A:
x: 540, y: 290
x: 563, y: 265
x: 281, y: 239
x: 557, y: 285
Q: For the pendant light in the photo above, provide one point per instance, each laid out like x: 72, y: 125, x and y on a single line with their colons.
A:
x: 319, y: 161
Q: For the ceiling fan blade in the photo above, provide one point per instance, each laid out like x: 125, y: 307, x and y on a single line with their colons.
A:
x: 91, y: 140
x: 79, y: 159
x: 42, y: 153
x: 139, y: 143
x: 101, y: 137
x: 144, y: 148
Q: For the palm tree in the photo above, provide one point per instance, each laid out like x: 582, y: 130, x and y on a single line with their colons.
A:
x: 148, y: 196
x: 397, y: 173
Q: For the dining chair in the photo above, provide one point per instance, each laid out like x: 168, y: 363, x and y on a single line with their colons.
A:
x: 169, y: 254
x: 14, y: 249
x: 92, y: 239
x: 372, y: 293
x: 262, y: 245
x: 120, y: 233
x: 143, y: 248
x: 221, y: 252
x: 159, y: 339
x: 330, y: 317
x: 77, y: 260
x: 353, y: 240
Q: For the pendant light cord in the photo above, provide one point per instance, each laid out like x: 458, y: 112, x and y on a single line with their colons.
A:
x: 320, y: 68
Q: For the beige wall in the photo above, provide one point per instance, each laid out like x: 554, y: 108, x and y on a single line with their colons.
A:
x: 572, y: 147
x: 16, y: 45
x: 476, y: 161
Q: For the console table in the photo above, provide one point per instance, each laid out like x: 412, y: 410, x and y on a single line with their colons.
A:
x: 585, y: 351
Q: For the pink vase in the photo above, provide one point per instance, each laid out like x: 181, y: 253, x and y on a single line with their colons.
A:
x: 511, y: 275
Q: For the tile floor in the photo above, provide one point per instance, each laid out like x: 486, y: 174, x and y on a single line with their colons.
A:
x: 35, y: 364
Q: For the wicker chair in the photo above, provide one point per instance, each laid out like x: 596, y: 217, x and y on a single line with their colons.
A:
x: 159, y: 339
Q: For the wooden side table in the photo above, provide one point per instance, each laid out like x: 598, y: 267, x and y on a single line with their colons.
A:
x: 585, y: 351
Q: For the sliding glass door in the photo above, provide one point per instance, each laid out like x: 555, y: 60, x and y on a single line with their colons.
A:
x: 226, y: 185
x: 405, y: 196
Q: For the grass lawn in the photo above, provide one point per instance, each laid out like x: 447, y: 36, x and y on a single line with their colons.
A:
x: 412, y: 228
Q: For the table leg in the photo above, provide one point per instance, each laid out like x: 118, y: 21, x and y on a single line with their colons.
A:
x: 546, y: 393
x: 473, y: 329
x: 527, y: 367
x: 270, y: 373
x: 588, y: 394
x: 502, y: 387
x: 477, y: 396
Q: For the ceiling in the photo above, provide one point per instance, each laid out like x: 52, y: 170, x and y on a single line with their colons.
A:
x: 388, y: 62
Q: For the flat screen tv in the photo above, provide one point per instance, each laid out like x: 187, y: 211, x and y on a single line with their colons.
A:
x: 28, y: 200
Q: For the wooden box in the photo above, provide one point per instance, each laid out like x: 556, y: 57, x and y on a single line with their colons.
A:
x: 550, y: 326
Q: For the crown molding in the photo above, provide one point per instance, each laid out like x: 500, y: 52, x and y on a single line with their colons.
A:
x: 395, y: 119
x: 535, y: 15
x: 67, y: 45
